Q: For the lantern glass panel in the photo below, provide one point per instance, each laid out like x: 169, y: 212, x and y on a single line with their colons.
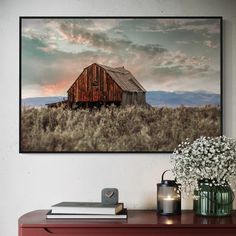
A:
x: 168, y: 199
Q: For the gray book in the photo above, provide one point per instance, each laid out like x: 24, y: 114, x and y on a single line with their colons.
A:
x: 121, y: 215
x: 86, y: 208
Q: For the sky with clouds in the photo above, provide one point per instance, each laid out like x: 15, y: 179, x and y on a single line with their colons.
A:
x: 163, y: 54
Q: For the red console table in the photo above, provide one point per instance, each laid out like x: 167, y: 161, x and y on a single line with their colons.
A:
x: 139, y: 223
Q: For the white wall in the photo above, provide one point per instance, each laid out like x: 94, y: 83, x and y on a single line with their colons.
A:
x: 36, y: 181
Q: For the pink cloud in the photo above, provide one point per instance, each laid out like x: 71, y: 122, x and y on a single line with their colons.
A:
x: 210, y: 44
x: 49, y: 48
x: 57, y: 88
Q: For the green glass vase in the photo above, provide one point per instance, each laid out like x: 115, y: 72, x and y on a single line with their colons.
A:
x: 212, y: 199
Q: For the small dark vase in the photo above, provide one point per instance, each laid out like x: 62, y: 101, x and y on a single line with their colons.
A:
x: 213, y: 200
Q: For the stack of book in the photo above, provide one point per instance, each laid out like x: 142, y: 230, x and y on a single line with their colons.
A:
x: 87, y: 210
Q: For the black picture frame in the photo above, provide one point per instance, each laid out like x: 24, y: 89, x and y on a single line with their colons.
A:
x: 21, y: 18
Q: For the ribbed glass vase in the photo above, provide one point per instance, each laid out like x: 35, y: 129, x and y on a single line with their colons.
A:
x: 212, y: 199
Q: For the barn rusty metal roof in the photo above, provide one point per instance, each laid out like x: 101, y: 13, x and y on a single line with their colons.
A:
x: 123, y: 78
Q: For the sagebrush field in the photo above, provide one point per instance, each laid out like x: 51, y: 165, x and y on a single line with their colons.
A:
x: 115, y: 129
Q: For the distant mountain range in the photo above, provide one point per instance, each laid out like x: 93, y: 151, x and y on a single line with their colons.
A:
x: 154, y: 98
x: 40, y: 101
x: 178, y: 98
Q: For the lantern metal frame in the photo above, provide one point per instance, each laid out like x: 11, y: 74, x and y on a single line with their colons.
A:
x: 168, y: 197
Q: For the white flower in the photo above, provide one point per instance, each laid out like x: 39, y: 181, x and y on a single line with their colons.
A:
x: 206, y: 157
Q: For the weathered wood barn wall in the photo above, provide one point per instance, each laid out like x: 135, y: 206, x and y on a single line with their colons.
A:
x: 100, y: 85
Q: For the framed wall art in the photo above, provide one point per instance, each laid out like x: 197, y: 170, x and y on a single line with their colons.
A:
x: 118, y: 84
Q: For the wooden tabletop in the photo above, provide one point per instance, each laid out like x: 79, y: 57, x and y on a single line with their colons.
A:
x: 136, y: 218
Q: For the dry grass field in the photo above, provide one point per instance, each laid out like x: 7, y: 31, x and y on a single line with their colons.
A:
x: 115, y: 129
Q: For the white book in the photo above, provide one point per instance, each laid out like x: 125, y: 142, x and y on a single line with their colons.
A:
x: 86, y: 208
x: 121, y: 215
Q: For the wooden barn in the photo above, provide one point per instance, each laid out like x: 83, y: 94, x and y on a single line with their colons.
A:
x: 102, y: 85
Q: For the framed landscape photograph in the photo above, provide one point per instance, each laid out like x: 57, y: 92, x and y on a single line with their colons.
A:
x: 118, y: 84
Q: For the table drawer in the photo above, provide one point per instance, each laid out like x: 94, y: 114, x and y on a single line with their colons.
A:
x: 126, y: 231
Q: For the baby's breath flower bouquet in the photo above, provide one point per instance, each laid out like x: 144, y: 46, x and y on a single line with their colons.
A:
x: 211, y: 158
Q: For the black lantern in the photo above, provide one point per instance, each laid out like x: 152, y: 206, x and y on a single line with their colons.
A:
x: 168, y: 197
